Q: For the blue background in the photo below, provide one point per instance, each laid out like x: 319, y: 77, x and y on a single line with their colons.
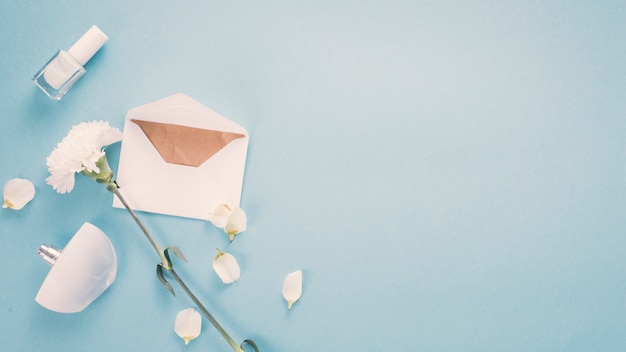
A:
x: 449, y: 175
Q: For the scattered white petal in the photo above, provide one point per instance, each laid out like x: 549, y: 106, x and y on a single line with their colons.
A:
x: 292, y: 287
x: 188, y: 324
x: 226, y: 267
x: 219, y: 216
x: 231, y: 219
x: 79, y: 151
x: 237, y: 222
x: 17, y: 193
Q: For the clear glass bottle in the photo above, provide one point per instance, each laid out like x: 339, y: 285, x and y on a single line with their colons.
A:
x: 64, y: 69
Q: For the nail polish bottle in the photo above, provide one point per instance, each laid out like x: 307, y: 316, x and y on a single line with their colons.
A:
x: 79, y: 273
x: 59, y: 74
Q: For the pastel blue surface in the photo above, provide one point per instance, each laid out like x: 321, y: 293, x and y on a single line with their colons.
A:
x: 449, y: 175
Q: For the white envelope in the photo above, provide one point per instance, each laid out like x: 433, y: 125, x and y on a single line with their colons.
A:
x: 184, y: 132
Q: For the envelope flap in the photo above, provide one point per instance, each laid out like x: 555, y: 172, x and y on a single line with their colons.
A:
x: 180, y: 109
x: 185, y: 145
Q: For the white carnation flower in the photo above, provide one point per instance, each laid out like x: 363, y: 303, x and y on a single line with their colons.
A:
x: 79, y: 151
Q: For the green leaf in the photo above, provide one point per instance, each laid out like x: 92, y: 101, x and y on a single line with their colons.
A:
x: 251, y: 343
x: 163, y: 280
x: 176, y: 251
x: 167, y: 257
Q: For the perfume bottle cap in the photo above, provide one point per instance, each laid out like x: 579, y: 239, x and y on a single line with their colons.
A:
x: 49, y: 254
x: 88, y: 45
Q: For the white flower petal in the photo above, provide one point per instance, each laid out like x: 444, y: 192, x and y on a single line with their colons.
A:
x: 226, y: 267
x: 17, y: 193
x: 188, y: 324
x: 219, y: 216
x: 231, y: 219
x: 61, y: 183
x: 89, y: 162
x: 237, y: 222
x: 292, y: 287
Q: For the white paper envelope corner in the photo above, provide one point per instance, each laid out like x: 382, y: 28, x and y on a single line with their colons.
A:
x: 178, y: 157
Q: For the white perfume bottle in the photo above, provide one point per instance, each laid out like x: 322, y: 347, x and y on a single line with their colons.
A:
x: 59, y: 74
x: 80, y: 272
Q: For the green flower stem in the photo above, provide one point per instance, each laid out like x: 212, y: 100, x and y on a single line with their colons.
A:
x: 113, y: 188
x: 167, y: 265
x: 206, y: 313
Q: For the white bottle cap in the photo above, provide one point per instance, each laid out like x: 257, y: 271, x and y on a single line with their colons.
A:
x: 88, y: 45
